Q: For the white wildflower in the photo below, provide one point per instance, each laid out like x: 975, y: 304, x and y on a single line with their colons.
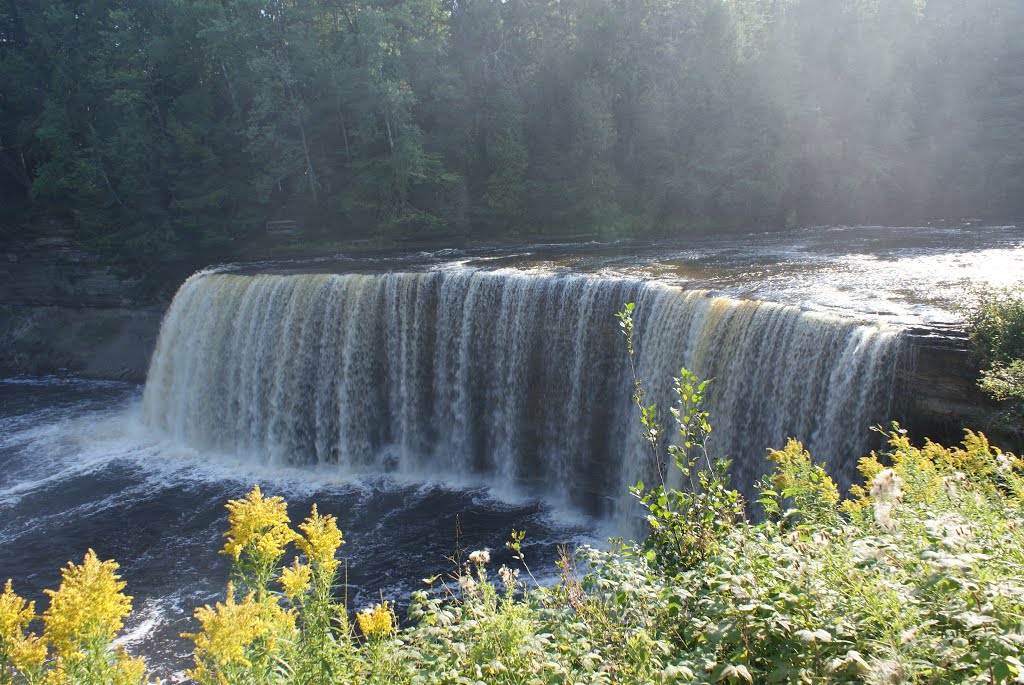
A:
x: 887, y: 487
x: 864, y: 552
x: 885, y: 672
x: 950, y: 530
x: 480, y: 557
x: 887, y: 491
x: 467, y: 583
x: 508, y: 576
x: 883, y: 516
x: 1003, y: 462
x: 950, y: 482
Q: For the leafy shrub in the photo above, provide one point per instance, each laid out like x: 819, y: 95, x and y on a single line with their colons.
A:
x: 995, y: 323
x: 798, y: 481
x: 685, y: 525
x: 902, y: 583
x: 1004, y: 381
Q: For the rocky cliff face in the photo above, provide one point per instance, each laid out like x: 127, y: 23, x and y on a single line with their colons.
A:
x: 937, y: 392
x: 48, y: 271
x: 63, y: 311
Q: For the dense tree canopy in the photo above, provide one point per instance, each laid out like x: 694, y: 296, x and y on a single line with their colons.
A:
x: 171, y: 131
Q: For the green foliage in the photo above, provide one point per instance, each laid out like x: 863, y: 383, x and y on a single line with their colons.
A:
x: 170, y: 133
x: 685, y: 525
x: 919, y: 581
x: 917, y: 578
x: 800, y: 483
x: 995, y: 322
x: 1004, y: 382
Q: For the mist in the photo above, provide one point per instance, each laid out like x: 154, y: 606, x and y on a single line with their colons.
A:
x: 169, y: 133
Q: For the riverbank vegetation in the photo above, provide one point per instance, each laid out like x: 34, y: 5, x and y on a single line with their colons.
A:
x: 916, y: 578
x: 171, y: 133
x: 995, y: 323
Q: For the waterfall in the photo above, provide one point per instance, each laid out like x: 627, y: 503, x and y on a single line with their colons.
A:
x: 502, y: 376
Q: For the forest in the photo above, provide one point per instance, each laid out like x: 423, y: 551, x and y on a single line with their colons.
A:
x: 169, y: 133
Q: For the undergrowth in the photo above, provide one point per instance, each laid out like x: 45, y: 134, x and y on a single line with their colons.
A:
x: 917, y: 577
x: 995, y: 323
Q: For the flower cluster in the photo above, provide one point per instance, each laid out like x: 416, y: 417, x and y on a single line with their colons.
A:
x: 259, y: 526
x: 377, y: 622
x: 952, y: 482
x: 509, y: 577
x: 23, y: 652
x: 1005, y: 462
x: 229, y: 628
x: 321, y: 541
x: 296, y: 579
x: 887, y: 491
x: 89, y: 605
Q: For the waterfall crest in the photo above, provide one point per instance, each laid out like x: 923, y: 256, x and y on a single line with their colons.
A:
x: 502, y: 375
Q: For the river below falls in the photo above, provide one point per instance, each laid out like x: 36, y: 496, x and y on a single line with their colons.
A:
x: 80, y: 468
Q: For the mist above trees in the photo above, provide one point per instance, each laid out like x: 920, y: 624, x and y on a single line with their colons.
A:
x: 168, y: 131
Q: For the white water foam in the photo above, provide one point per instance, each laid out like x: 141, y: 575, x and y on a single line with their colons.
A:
x: 504, y: 376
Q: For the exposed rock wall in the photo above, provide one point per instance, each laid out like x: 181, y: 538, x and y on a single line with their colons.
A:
x: 48, y: 271
x: 63, y: 311
x: 937, y: 393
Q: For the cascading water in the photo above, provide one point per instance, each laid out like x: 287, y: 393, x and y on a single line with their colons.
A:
x: 508, y: 376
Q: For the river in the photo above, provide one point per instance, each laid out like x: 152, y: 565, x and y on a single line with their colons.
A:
x: 444, y: 398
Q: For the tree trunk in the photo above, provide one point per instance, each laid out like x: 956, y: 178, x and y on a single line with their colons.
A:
x: 344, y: 136
x: 309, y: 161
x: 231, y: 87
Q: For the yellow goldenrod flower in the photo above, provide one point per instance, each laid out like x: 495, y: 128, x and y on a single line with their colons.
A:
x: 15, y: 614
x: 129, y: 670
x: 281, y: 623
x: 28, y: 653
x: 228, y: 629
x: 258, y: 522
x: 88, y: 605
x: 376, y: 622
x: 23, y: 652
x: 296, y: 579
x: 322, y: 540
x: 58, y: 675
x: 231, y: 628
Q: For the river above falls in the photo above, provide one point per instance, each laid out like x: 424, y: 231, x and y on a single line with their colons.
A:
x: 908, y: 276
